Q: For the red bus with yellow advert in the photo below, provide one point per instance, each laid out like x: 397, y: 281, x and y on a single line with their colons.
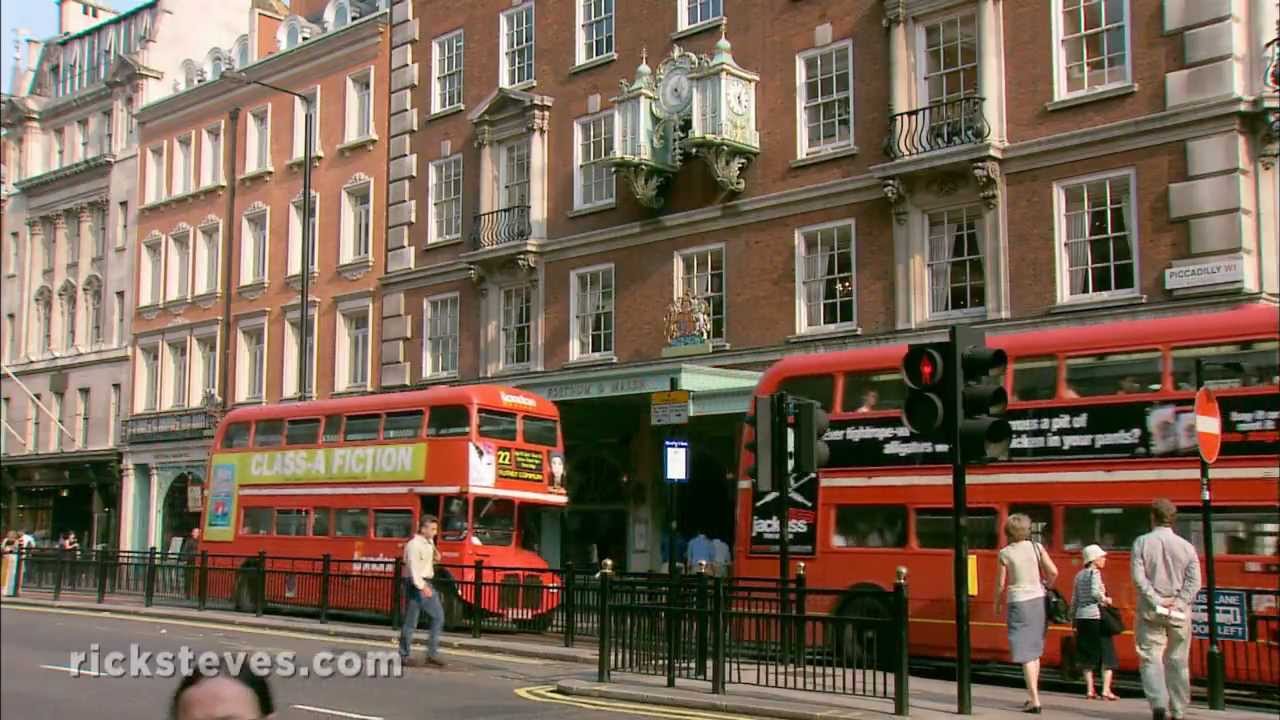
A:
x: 1103, y: 423
x: 349, y: 478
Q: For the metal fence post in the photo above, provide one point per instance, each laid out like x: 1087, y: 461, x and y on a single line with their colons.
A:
x: 202, y: 581
x: 397, y: 594
x: 675, y: 596
x: 798, y: 608
x: 902, y: 668
x: 57, y: 575
x: 149, y: 579
x: 262, y: 583
x: 477, y: 598
x: 717, y: 636
x: 569, y: 605
x: 700, y: 619
x: 604, y: 651
x: 324, y: 587
x: 102, y: 576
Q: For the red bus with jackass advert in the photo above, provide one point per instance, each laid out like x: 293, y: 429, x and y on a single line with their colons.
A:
x: 350, y: 477
x: 1103, y: 422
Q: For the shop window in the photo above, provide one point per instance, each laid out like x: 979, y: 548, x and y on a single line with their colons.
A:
x: 403, y: 425
x: 934, y: 528
x: 257, y: 521
x: 236, y: 436
x: 1113, y: 528
x: 496, y: 425
x: 1247, y: 364
x: 872, y: 391
x: 1113, y: 374
x: 349, y: 522
x: 362, y: 427
x: 392, y: 523
x: 302, y: 432
x: 291, y: 522
x: 1035, y: 378
x: 819, y: 388
x: 870, y: 526
x: 449, y: 421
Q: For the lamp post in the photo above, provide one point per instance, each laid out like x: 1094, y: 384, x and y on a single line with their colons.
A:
x: 308, y: 150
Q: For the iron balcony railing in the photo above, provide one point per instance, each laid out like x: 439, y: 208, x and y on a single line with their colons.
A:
x: 943, y: 125
x: 185, y: 425
x: 500, y: 227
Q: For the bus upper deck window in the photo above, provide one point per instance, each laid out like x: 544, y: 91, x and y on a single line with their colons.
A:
x: 1247, y: 364
x: 819, y: 388
x: 236, y: 436
x: 449, y: 421
x: 496, y: 425
x: 1035, y: 378
x: 402, y: 425
x: 305, y: 431
x: 541, y: 431
x: 872, y: 391
x: 332, y: 429
x: 362, y: 427
x: 269, y: 433
x: 1114, y: 374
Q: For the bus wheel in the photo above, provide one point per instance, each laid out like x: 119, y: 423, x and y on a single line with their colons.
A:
x: 865, y: 638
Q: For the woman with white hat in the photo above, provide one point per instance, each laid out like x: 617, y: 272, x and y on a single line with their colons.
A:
x: 1095, y: 649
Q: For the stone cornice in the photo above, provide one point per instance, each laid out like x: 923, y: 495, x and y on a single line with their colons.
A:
x: 37, y: 181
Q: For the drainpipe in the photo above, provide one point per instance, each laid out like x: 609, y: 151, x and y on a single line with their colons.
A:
x: 228, y: 242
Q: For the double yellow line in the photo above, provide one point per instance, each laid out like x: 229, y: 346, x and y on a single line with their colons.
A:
x: 548, y: 694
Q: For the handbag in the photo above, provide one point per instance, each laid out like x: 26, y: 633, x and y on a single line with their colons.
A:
x: 1056, y: 609
x: 1112, y: 623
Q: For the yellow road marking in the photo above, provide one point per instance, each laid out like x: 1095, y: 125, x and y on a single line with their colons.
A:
x: 266, y: 631
x: 547, y: 694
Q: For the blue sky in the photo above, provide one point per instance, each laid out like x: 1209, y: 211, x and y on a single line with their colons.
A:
x: 40, y: 17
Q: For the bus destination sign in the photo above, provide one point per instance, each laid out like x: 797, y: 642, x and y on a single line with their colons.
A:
x: 517, y: 464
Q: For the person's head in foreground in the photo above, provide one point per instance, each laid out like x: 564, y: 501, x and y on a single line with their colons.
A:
x: 222, y: 695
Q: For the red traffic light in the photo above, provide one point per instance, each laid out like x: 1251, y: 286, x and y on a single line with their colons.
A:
x: 923, y: 368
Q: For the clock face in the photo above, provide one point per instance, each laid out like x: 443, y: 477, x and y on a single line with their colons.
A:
x: 676, y: 91
x: 739, y: 98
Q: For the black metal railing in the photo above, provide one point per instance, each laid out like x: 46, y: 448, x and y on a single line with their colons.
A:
x: 182, y: 425
x: 935, y: 127
x: 500, y: 227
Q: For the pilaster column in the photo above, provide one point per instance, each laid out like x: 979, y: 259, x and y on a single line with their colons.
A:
x: 488, y: 171
x: 538, y: 172
x: 895, y: 20
x: 991, y: 66
x: 152, y: 510
x: 127, y: 490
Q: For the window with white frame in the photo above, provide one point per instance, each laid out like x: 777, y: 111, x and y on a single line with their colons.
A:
x: 93, y: 312
x: 47, y: 247
x: 594, y: 179
x: 98, y: 227
x: 211, y: 156
x: 950, y: 58
x: 297, y: 230
x: 692, y: 13
x: 82, y: 129
x: 208, y: 260
x: 82, y: 417
x: 69, y: 321
x: 517, y: 326
x: 1093, y: 44
x: 107, y: 137
x: 179, y: 266
x: 447, y: 60
x: 355, y: 348
x: 122, y: 223
x: 113, y: 414
x: 701, y: 274
x: 182, y: 165
x: 150, y: 385
x: 440, y: 336
x: 118, y: 339
x: 258, y: 152
x: 13, y: 254
x: 360, y: 105
x: 301, y: 111
x: 206, y: 364
x: 1096, y: 236
x: 825, y: 98
x: 517, y: 46
x: 293, y: 332
x: 956, y: 273
x: 515, y: 173
x: 251, y: 368
x: 253, y: 263
x: 56, y: 409
x: 73, y: 238
x: 153, y: 271
x: 155, y: 174
x: 177, y: 383
x: 592, y: 300
x: 825, y: 276
x: 446, y: 199
x: 595, y: 29
x: 11, y: 337
x: 358, y: 229
x: 34, y: 421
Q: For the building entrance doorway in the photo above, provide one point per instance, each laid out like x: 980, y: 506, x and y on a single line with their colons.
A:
x: 596, y: 519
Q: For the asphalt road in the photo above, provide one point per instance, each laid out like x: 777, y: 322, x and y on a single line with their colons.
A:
x: 36, y: 647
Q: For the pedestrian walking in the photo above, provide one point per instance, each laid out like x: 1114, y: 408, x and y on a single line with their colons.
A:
x: 419, y: 568
x: 1095, y: 648
x: 219, y: 695
x: 1166, y: 574
x: 1027, y: 569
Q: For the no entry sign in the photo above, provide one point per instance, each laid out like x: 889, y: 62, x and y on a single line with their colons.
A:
x: 1208, y: 425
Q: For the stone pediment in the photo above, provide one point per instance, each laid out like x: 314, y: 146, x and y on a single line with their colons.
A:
x: 505, y: 103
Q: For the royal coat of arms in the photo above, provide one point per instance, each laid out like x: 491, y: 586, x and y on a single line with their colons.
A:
x: 688, y: 322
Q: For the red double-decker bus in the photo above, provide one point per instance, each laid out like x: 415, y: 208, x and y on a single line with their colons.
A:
x: 350, y: 477
x: 1103, y: 423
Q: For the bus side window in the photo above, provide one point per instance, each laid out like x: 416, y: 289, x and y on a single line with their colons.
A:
x: 392, y: 523
x: 934, y: 529
x: 449, y: 421
x: 496, y: 425
x: 819, y: 388
x: 236, y: 436
x: 402, y: 425
x: 362, y: 427
x: 351, y: 522
x: 305, y: 431
x: 870, y: 526
x: 320, y: 521
x: 268, y: 433
x: 291, y: 522
x: 1113, y: 528
x: 1114, y: 374
x: 332, y: 429
x: 256, y: 521
x: 1247, y: 364
x: 1041, y: 521
x: 872, y: 391
x: 1236, y: 530
x: 1035, y: 378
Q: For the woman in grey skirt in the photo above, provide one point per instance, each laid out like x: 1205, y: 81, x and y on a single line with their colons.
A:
x: 1027, y: 569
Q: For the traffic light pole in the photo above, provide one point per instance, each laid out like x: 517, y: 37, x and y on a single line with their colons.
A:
x: 960, y: 526
x: 782, y: 474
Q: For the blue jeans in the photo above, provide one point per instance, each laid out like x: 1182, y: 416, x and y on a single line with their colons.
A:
x: 418, y: 602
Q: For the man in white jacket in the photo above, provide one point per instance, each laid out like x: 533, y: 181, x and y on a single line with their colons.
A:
x: 419, y: 569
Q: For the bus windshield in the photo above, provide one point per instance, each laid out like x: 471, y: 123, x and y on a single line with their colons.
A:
x: 495, y: 521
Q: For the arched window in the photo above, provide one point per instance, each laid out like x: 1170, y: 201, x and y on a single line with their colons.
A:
x: 341, y: 15
x: 44, y: 312
x: 292, y: 36
x: 242, y: 51
x: 188, y: 74
x: 215, y: 68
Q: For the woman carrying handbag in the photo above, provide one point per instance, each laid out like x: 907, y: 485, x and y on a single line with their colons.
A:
x: 1028, y: 571
x: 1094, y: 643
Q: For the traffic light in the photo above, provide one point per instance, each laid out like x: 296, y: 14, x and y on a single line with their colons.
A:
x: 929, y: 389
x: 983, y: 434
x: 762, y: 423
x: 811, y: 426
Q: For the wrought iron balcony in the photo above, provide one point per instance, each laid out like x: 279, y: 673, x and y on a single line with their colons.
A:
x: 163, y: 427
x: 944, y: 125
x: 501, y: 227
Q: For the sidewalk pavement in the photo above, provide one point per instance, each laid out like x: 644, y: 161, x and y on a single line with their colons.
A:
x: 930, y: 698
